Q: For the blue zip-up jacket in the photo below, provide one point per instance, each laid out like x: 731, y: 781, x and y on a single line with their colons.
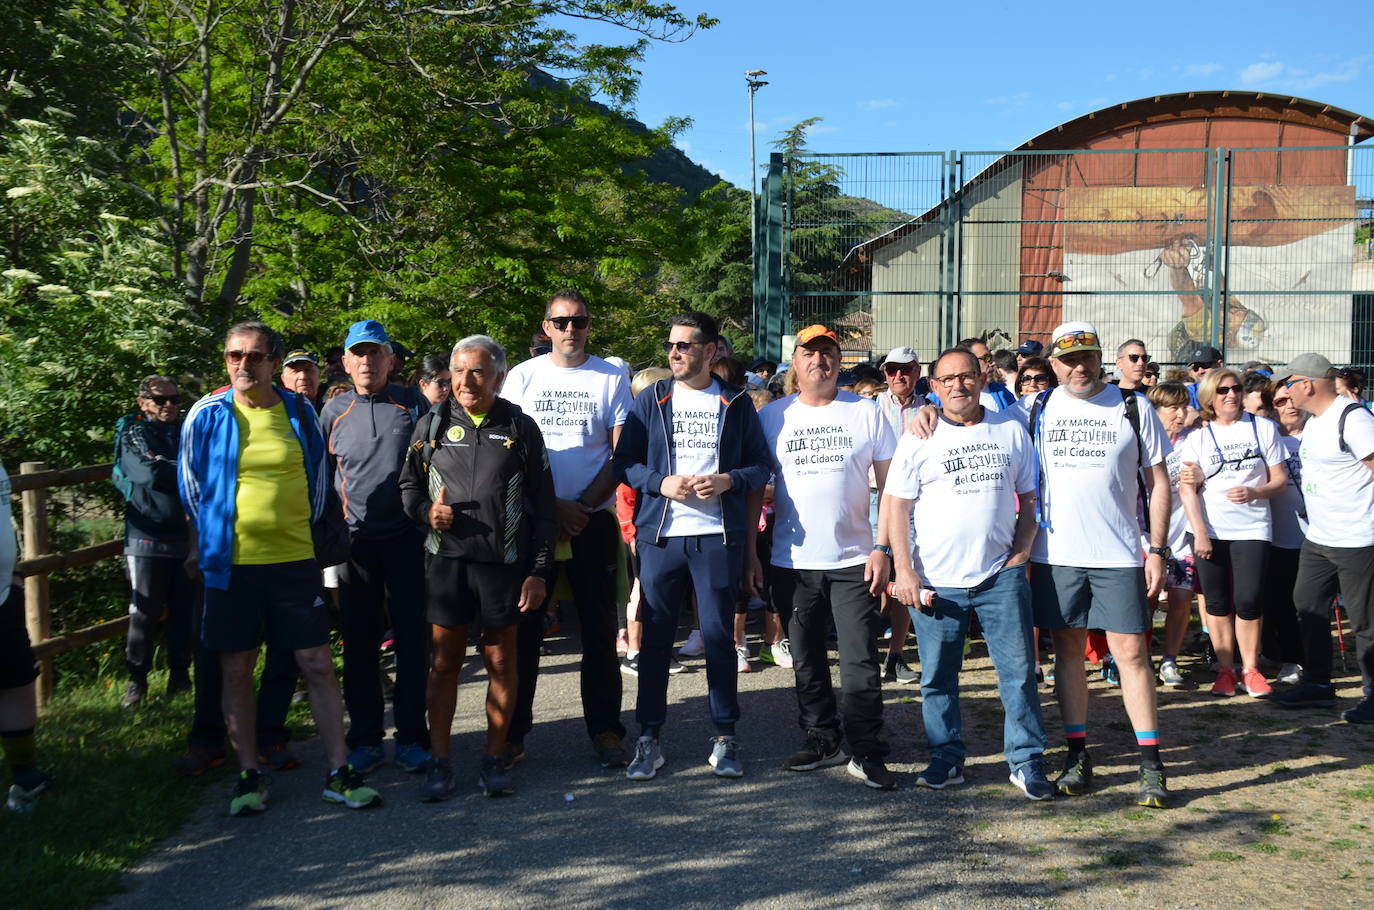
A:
x: 645, y: 456
x: 208, y: 473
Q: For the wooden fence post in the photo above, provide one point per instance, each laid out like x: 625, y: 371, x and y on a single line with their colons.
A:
x: 36, y: 606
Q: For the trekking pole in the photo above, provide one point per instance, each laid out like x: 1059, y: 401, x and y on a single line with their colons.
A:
x: 1340, y: 633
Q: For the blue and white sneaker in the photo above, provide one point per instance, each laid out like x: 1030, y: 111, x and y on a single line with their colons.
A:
x: 1031, y: 778
x: 648, y: 758
x: 940, y: 774
x: 412, y: 757
x: 724, y: 760
x: 365, y: 759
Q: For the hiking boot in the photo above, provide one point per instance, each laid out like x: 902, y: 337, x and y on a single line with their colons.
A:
x: 899, y: 671
x: 1154, y: 791
x: 1306, y: 695
x: 1031, y: 780
x: 609, y: 751
x: 365, y: 759
x: 347, y: 786
x: 439, y: 783
x: 250, y: 794
x: 724, y: 759
x: 492, y: 777
x: 1253, y: 683
x: 278, y: 758
x: 940, y: 774
x: 1077, y: 776
x: 1363, y: 713
x: 196, y: 760
x: 1225, y: 684
x: 817, y: 752
x: 134, y: 692
x: 872, y: 772
x: 412, y: 757
x: 648, y: 758
x: 1169, y: 673
x: 24, y: 792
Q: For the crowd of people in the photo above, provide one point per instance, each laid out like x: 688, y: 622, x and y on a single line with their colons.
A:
x: 1026, y: 492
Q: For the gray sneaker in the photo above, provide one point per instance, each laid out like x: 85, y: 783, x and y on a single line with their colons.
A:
x: 724, y: 759
x: 1169, y: 674
x: 648, y: 758
x: 439, y: 783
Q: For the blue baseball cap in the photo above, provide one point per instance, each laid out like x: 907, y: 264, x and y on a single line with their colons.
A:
x: 367, y: 331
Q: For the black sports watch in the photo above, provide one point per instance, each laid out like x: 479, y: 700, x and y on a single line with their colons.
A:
x: 1161, y: 551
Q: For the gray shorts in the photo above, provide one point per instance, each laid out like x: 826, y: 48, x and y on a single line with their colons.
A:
x: 1068, y: 597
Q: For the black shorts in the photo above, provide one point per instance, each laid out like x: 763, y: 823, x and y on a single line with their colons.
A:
x: 17, y: 666
x: 461, y: 593
x: 281, y: 603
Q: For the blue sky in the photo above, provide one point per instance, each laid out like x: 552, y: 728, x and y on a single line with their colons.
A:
x: 915, y: 76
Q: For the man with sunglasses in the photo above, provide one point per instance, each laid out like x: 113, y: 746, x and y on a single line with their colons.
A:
x: 694, y: 451
x: 900, y: 404
x: 1337, y: 453
x: 253, y: 479
x: 155, y: 538
x: 367, y: 430
x: 1202, y: 360
x: 580, y: 403
x: 1131, y: 361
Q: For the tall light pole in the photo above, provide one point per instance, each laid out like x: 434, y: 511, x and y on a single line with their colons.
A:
x: 751, y: 77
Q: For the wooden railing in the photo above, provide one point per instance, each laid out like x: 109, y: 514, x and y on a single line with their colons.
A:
x: 32, y: 484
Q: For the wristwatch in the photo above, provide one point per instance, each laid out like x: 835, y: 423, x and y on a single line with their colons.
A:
x: 884, y: 547
x: 1164, y: 552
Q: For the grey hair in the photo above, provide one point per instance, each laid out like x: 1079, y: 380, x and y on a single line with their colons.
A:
x: 275, y: 348
x: 1129, y: 343
x: 484, y: 343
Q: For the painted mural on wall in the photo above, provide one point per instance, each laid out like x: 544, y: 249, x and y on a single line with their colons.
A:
x: 1287, y: 245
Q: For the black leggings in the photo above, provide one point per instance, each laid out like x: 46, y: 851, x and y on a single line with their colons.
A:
x: 1281, y: 640
x: 1234, y: 577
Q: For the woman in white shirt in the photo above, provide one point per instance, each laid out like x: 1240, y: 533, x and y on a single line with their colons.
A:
x: 1280, y: 640
x: 1170, y: 400
x: 1242, y: 467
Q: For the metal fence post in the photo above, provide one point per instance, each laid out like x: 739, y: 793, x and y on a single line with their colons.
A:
x: 1217, y: 239
x: 37, y: 615
x: 775, y: 298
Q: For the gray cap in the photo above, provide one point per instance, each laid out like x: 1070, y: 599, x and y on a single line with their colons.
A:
x: 1311, y: 366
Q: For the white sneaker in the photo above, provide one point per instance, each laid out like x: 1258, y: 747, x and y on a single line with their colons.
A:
x: 1289, y: 674
x: 1169, y: 673
x: 782, y: 653
x: 742, y: 659
x: 694, y: 646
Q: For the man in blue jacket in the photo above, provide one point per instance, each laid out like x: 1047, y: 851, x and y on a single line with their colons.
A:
x: 253, y: 479
x: 695, y: 452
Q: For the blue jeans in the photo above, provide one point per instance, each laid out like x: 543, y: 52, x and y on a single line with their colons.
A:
x: 1002, y: 603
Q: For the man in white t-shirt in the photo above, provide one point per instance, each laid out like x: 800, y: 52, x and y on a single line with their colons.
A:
x: 1337, y: 455
x: 580, y: 403
x: 693, y: 451
x: 977, y: 465
x: 826, y: 566
x: 1086, y: 562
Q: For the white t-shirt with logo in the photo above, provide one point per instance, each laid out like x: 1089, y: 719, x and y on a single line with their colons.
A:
x: 696, y: 451
x: 964, y: 482
x: 1338, y: 488
x: 1178, y: 519
x: 1287, y: 508
x: 1089, y: 457
x: 821, y: 461
x: 576, y: 409
x: 1237, y: 455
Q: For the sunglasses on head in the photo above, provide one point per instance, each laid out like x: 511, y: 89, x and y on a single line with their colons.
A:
x: 682, y: 347
x: 562, y: 322
x: 253, y: 357
x: 160, y: 400
x: 1075, y: 340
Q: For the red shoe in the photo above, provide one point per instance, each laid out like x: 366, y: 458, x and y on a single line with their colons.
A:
x: 196, y: 760
x: 1253, y: 682
x: 1225, y: 684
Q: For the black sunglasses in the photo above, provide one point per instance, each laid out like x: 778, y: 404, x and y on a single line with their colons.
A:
x: 253, y: 357
x: 562, y: 322
x: 682, y: 347
x: 1228, y: 389
x: 1136, y: 358
x: 160, y: 400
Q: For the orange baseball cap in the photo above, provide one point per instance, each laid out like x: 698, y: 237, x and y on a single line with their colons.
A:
x: 813, y: 332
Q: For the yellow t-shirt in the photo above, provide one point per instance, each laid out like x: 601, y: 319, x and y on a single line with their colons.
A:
x: 272, y: 506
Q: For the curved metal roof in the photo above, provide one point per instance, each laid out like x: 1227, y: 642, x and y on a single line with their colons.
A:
x: 1201, y: 105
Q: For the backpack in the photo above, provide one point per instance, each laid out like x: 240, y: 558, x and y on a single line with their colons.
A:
x: 122, y: 483
x: 1340, y: 425
x: 1131, y: 401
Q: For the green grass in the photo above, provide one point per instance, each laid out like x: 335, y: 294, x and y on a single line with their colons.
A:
x: 1224, y: 856
x: 116, y: 796
x: 1264, y: 846
x: 1273, y: 826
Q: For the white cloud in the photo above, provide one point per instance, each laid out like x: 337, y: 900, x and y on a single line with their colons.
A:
x: 1256, y: 73
x: 877, y: 104
x: 1018, y: 98
x: 1346, y: 73
x: 1202, y: 69
x: 821, y: 129
x: 1065, y: 105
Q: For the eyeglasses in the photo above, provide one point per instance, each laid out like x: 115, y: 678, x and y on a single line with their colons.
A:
x: 253, y: 357
x: 892, y: 369
x: 442, y: 383
x: 961, y: 378
x: 1228, y: 389
x: 1136, y: 358
x: 682, y: 347
x: 562, y: 322
x: 1282, y: 402
x: 1074, y: 340
x: 160, y: 400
